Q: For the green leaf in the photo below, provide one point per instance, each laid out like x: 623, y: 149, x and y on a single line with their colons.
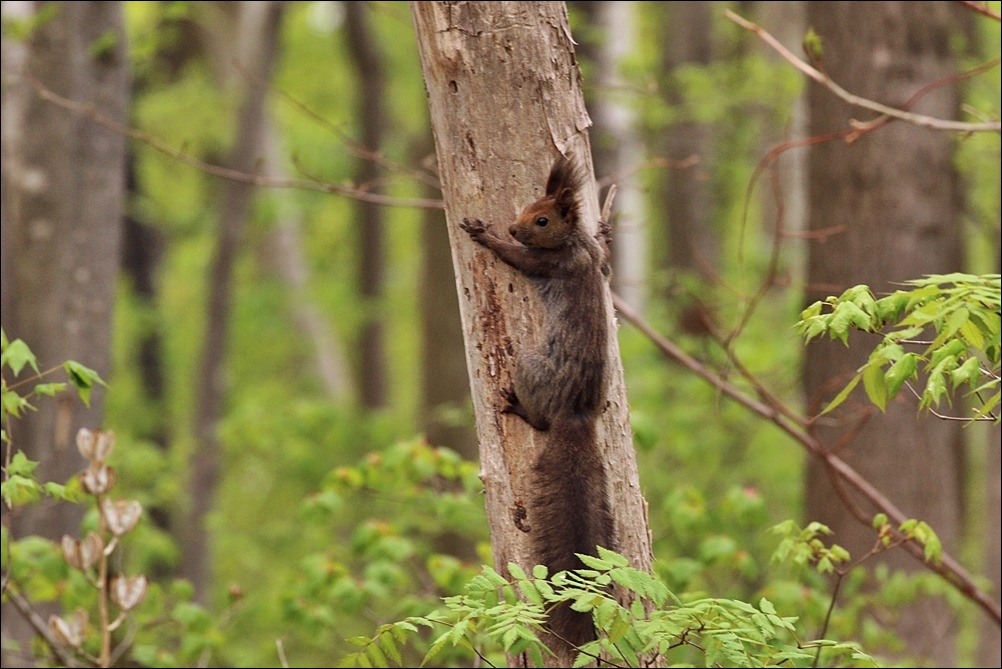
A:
x: 516, y: 571
x: 968, y: 372
x: 16, y: 355
x: 935, y: 389
x: 838, y: 399
x: 20, y: 490
x: 901, y: 371
x: 389, y: 647
x: 21, y: 465
x: 14, y: 404
x: 846, y: 316
x: 50, y: 389
x: 83, y: 378
x: 952, y: 349
x: 875, y: 385
x: 811, y: 311
x: 972, y: 334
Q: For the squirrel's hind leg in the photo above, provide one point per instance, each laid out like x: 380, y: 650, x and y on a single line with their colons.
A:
x: 516, y: 408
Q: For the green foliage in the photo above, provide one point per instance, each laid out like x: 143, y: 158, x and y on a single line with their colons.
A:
x: 806, y: 546
x: 392, y: 563
x: 962, y: 313
x: 19, y: 485
x: 496, y: 614
x: 77, y: 573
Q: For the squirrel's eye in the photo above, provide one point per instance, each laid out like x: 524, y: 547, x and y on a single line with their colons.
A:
x: 542, y: 221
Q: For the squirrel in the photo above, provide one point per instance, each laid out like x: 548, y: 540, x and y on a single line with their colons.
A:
x: 559, y: 382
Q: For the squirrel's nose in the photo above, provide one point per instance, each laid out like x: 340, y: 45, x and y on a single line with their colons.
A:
x: 512, y: 230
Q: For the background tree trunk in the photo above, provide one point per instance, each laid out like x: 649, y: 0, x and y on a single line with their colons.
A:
x: 505, y: 96
x: 989, y: 650
x: 372, y: 105
x: 258, y: 35
x: 884, y: 209
x: 64, y: 194
x: 617, y: 148
x: 445, y: 395
x: 284, y: 252
x: 693, y: 242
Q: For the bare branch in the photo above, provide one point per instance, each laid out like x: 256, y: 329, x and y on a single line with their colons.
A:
x: 25, y: 609
x: 857, y: 101
x: 356, y: 147
x: 216, y: 170
x: 982, y: 8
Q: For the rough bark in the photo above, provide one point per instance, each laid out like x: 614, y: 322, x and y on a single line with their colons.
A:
x: 260, y: 28
x: 64, y: 186
x: 504, y: 92
x: 371, y: 112
x: 884, y: 209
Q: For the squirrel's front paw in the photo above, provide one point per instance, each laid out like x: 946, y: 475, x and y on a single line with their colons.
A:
x: 604, y: 232
x: 476, y: 228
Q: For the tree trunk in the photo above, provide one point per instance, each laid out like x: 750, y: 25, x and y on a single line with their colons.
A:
x: 372, y: 103
x: 884, y: 209
x: 283, y: 251
x: 693, y: 243
x: 63, y: 220
x: 989, y: 651
x: 783, y: 190
x: 505, y: 96
x: 260, y: 24
x: 685, y: 199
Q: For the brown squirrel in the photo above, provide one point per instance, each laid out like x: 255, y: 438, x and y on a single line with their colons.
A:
x: 559, y: 383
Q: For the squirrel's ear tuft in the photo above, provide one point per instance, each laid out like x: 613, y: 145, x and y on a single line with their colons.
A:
x: 561, y: 176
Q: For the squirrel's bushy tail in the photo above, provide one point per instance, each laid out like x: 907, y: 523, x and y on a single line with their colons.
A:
x: 570, y: 512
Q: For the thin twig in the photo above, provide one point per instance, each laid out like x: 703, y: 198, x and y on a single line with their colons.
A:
x: 29, y: 614
x: 982, y: 8
x: 223, y: 172
x: 354, y: 145
x: 857, y: 101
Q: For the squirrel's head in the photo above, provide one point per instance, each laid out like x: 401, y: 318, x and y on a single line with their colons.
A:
x: 553, y: 219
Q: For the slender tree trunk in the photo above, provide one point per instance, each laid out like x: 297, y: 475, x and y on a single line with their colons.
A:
x: 618, y: 149
x: 260, y: 26
x: 783, y: 193
x: 505, y: 96
x: 693, y: 244
x: 285, y: 253
x: 64, y: 191
x: 884, y: 209
x: 372, y: 105
x: 685, y: 199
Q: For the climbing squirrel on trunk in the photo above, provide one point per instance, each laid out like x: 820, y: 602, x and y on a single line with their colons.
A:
x: 559, y: 382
